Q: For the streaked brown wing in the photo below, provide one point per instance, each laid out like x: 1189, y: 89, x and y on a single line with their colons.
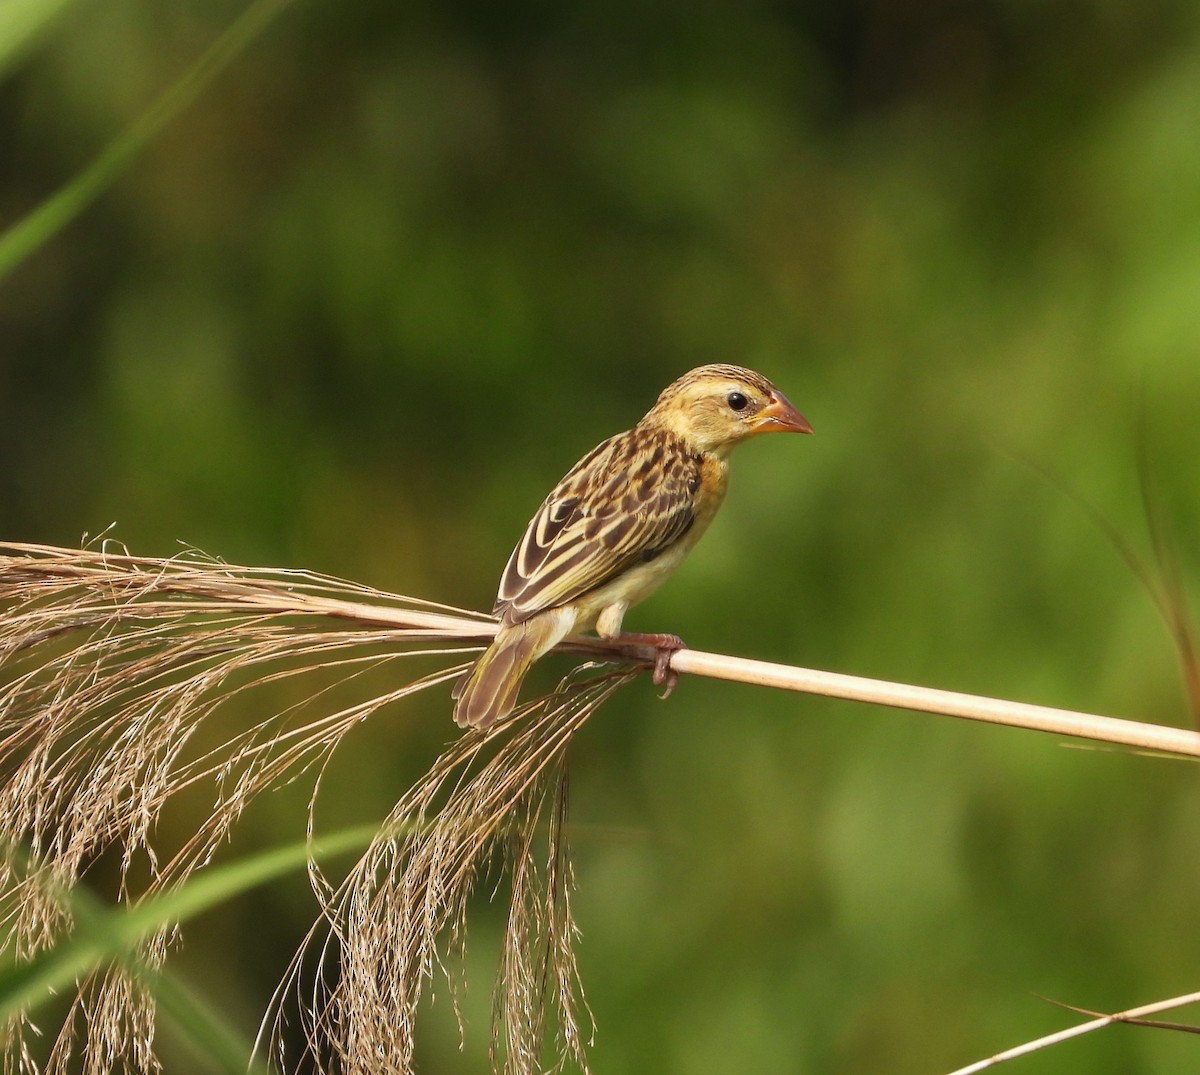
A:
x: 626, y: 501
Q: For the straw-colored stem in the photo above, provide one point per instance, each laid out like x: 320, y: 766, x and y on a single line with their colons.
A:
x: 1158, y: 737
x: 210, y: 587
x: 1132, y: 1015
x: 947, y: 703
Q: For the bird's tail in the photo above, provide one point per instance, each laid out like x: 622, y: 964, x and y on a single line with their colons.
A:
x: 488, y: 691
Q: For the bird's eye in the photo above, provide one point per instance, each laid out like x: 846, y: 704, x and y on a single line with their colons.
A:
x: 736, y: 401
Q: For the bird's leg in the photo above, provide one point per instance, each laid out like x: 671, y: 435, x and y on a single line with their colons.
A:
x: 635, y: 645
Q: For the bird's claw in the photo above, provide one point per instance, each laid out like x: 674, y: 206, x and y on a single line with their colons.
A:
x: 664, y: 675
x: 665, y: 646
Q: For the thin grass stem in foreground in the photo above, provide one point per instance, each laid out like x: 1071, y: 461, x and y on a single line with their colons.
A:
x: 1037, y: 718
x: 271, y: 592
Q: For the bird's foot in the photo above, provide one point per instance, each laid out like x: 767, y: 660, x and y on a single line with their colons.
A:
x: 634, y: 645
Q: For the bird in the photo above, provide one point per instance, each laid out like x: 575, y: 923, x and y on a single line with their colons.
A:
x: 616, y: 526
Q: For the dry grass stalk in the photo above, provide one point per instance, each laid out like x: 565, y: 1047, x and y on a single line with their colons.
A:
x: 110, y: 666
x: 491, y: 797
x: 1038, y: 718
x: 1135, y: 1016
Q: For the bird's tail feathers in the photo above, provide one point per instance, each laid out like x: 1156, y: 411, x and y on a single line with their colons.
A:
x: 488, y: 691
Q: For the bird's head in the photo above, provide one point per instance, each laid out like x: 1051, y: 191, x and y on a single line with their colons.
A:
x: 715, y: 407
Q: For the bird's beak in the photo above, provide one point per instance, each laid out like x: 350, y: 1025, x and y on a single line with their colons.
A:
x: 779, y: 416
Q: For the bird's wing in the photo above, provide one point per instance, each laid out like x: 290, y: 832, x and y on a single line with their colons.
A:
x: 626, y: 501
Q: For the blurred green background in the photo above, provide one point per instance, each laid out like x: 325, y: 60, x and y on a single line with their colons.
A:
x: 401, y: 264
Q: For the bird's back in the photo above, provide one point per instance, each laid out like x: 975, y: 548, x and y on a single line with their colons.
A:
x: 625, y: 502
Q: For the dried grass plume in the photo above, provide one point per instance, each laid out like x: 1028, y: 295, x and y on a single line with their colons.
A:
x: 113, y: 669
x: 110, y: 667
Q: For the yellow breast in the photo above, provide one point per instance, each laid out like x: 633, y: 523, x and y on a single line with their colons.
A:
x: 641, y: 580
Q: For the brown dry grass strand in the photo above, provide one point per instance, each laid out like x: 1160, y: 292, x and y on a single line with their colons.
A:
x: 1161, y: 576
x: 1174, y: 604
x: 1133, y: 1016
x: 111, y: 667
x: 494, y: 798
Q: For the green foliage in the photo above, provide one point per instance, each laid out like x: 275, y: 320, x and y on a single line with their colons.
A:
x: 362, y: 303
x: 55, y: 213
x: 24, y: 21
x: 102, y: 939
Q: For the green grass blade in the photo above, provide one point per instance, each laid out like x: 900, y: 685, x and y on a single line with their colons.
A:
x: 217, y: 1046
x: 102, y: 936
x: 21, y: 22
x: 38, y: 226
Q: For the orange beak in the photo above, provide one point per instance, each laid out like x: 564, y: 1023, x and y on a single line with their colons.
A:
x: 779, y: 416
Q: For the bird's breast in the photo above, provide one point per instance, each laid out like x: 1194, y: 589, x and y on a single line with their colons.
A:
x: 640, y: 580
x: 713, y: 484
